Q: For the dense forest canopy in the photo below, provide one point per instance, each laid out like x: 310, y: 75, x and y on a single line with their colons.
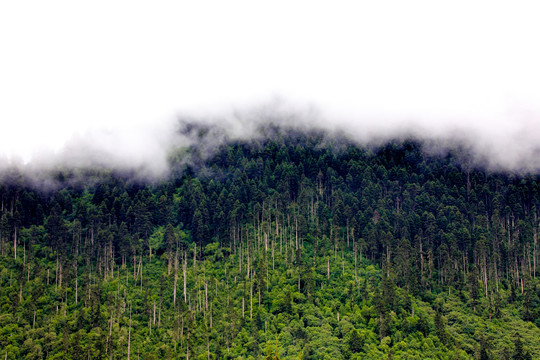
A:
x: 291, y: 245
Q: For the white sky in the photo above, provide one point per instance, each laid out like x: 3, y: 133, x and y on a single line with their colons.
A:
x: 117, y: 73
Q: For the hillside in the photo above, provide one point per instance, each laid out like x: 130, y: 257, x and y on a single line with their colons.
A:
x: 294, y: 245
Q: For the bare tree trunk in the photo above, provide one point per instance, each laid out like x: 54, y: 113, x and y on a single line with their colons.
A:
x: 184, y: 266
x: 534, y: 249
x: 328, y: 269
x: 159, y: 313
x: 56, y: 275
x: 195, y: 257
x: 355, y: 249
x: 15, y: 243
x: 175, y: 277
x: 205, y: 296
x: 141, y: 271
x: 129, y: 334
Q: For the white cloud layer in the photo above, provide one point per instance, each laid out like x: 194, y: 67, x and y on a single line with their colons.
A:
x: 111, y: 76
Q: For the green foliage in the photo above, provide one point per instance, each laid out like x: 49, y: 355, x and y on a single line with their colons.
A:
x: 297, y: 246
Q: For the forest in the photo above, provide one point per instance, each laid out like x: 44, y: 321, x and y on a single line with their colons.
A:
x: 291, y: 245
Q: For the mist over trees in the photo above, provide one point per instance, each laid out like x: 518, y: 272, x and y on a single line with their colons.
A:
x: 290, y: 245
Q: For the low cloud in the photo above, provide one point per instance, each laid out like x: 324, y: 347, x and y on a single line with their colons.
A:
x: 124, y: 94
x: 144, y: 151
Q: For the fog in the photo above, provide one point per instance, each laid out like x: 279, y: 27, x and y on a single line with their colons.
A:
x: 111, y: 84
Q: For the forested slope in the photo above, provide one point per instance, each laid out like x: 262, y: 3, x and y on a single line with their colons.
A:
x: 293, y: 245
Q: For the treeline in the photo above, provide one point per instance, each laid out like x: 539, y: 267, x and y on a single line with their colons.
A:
x: 275, y: 237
